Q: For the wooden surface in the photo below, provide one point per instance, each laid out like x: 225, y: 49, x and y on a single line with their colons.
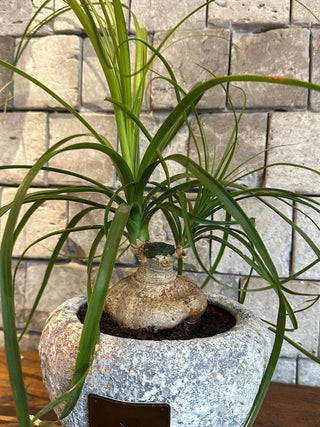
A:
x: 284, y: 406
x: 37, y: 393
x: 288, y: 405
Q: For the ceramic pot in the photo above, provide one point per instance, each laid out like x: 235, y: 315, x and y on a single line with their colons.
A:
x: 206, y: 381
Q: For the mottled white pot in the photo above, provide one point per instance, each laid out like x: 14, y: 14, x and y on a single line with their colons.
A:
x: 206, y: 381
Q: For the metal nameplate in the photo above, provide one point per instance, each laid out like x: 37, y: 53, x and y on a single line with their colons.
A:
x: 105, y: 412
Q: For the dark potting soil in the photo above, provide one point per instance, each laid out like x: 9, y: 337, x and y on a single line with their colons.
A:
x: 215, y: 320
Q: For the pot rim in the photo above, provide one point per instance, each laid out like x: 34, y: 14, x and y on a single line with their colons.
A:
x: 245, y: 319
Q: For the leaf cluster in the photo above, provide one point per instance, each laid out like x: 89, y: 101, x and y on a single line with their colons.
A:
x: 189, y: 201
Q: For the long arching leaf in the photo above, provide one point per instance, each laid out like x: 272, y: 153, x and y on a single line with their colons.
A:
x: 175, y: 119
x: 234, y: 210
x: 90, y: 331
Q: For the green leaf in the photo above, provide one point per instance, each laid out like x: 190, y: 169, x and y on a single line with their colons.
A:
x: 90, y: 331
x: 118, y: 161
x: 57, y: 98
x: 64, y: 235
x: 176, y: 118
x: 233, y: 208
x: 7, y: 289
x: 273, y: 360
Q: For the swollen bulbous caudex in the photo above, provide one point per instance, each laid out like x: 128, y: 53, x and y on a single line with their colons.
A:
x: 154, y: 296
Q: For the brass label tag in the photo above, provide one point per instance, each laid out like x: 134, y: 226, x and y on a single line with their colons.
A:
x: 105, y: 412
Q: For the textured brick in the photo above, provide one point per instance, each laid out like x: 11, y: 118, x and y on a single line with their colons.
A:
x: 274, y: 232
x: 188, y: 52
x: 294, y: 139
x: 66, y: 22
x: 251, y: 13
x: 191, y: 263
x: 308, y: 372
x: 179, y: 145
x: 161, y: 16
x: 286, y: 371
x: 94, y: 86
x: 223, y: 284
x: 54, y: 60
x: 91, y: 163
x: 29, y: 342
x: 265, y: 305
x: 6, y: 46
x: 79, y: 243
x: 283, y: 52
x: 315, y: 69
x: 251, y: 142
x: 23, y: 138
x: 15, y: 15
x: 302, y: 253
x: 66, y: 281
x: 51, y: 216
x: 302, y: 16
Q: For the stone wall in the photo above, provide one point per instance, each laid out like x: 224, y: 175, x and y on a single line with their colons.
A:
x: 276, y: 37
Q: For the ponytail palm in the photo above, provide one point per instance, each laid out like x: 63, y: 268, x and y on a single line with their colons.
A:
x: 187, y: 200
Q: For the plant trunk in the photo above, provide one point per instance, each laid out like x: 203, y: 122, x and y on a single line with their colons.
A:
x: 154, y: 296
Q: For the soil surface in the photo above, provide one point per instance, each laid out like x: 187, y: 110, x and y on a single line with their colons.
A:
x: 215, y: 320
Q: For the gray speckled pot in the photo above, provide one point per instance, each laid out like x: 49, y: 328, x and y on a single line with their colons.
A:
x: 207, y: 382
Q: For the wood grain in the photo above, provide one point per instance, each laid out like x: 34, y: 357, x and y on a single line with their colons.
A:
x: 37, y: 393
x: 288, y: 405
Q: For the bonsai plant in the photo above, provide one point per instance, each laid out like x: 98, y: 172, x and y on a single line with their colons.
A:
x: 187, y: 201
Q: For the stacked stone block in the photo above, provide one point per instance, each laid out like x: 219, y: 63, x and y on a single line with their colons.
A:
x: 280, y: 124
